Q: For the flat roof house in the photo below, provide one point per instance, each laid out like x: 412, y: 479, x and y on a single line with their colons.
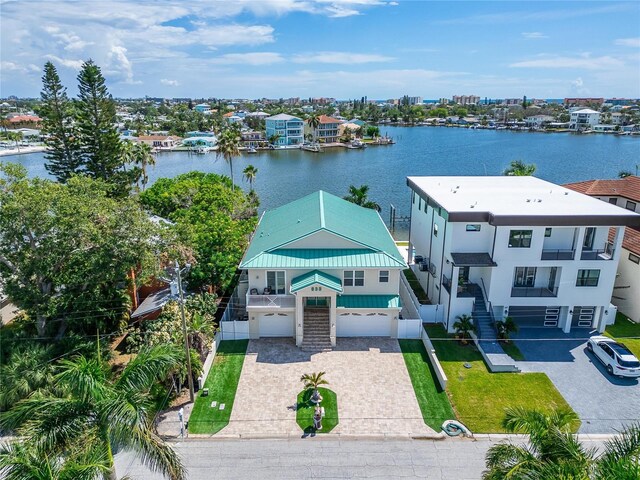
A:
x: 320, y: 268
x: 522, y: 247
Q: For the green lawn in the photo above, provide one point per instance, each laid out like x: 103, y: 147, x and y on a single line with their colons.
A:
x: 222, y: 383
x: 480, y: 397
x: 627, y: 332
x: 512, y: 350
x: 305, y: 410
x: 416, y: 287
x: 433, y: 401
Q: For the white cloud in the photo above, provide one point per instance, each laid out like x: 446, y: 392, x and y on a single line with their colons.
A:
x: 346, y: 58
x: 534, y: 35
x: 251, y: 58
x: 170, y: 83
x: 16, y: 67
x: 628, y: 42
x: 393, y: 4
x: 65, y: 62
x: 120, y: 65
x: 585, y: 61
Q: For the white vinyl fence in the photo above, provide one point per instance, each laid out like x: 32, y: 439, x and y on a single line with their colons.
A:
x: 409, y: 328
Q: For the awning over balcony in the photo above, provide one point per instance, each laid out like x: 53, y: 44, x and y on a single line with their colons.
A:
x: 368, y: 301
x: 316, y: 277
x: 473, y: 260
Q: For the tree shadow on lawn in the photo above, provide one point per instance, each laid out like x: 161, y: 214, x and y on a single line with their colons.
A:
x: 305, y: 410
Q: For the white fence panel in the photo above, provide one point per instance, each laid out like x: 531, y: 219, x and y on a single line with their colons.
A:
x: 235, y: 330
x: 432, y: 313
x: 409, y: 328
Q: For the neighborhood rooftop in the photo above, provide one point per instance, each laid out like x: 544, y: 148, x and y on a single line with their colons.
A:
x: 512, y: 200
x: 628, y: 187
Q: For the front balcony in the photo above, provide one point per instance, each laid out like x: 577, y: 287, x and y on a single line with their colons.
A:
x: 534, y: 292
x: 271, y: 301
x: 602, y: 254
x: 567, y: 254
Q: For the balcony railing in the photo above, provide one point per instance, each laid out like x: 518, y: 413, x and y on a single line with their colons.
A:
x: 604, y: 254
x: 271, y: 301
x: 534, y: 292
x: 558, y: 254
x: 446, y: 283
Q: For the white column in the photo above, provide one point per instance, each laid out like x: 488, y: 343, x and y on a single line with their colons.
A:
x: 332, y: 319
x: 299, y: 318
x: 566, y: 326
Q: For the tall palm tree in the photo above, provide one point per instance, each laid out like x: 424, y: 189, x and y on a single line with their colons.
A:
x: 358, y: 195
x: 101, y: 413
x: 554, y: 452
x: 314, y: 123
x: 144, y: 157
x: 229, y: 147
x: 517, y: 168
x: 249, y: 174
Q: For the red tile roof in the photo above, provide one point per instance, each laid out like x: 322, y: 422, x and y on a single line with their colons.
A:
x: 628, y: 187
x: 326, y: 119
x: 631, y: 240
x: 24, y: 118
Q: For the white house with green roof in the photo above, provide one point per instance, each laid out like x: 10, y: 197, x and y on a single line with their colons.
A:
x: 320, y: 268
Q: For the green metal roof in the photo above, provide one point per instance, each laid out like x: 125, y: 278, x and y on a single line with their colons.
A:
x: 321, y: 211
x: 322, y: 258
x: 368, y: 301
x: 316, y: 277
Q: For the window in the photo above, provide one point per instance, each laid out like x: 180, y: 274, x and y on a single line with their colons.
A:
x: 588, y: 278
x: 631, y: 206
x: 520, y: 238
x: 613, y: 201
x: 634, y: 258
x: 276, y: 282
x: 524, y: 277
x: 354, y: 278
x: 435, y: 230
x: 589, y: 235
x: 384, y: 276
x: 547, y: 232
x: 473, y: 228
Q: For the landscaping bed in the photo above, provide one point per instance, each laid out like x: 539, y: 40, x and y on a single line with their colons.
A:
x: 433, y: 401
x: 627, y: 332
x: 416, y: 287
x: 222, y: 383
x: 480, y: 397
x: 305, y: 409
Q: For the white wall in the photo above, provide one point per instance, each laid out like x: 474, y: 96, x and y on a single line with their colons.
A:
x: 629, y: 276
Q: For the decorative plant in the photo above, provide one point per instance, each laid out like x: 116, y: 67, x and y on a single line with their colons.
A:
x: 463, y: 326
x: 505, y: 328
x: 314, y: 380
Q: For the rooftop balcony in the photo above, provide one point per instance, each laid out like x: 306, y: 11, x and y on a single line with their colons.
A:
x: 271, y: 301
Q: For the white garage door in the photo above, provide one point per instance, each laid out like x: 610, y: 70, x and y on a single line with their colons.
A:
x: 276, y: 325
x: 363, y: 325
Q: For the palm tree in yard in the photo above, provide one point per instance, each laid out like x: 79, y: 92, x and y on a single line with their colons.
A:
x: 553, y: 452
x: 463, y: 325
x: 314, y: 380
x: 314, y: 123
x: 517, y: 168
x: 506, y: 327
x: 100, y: 413
x: 358, y: 195
x: 229, y: 147
x: 249, y: 173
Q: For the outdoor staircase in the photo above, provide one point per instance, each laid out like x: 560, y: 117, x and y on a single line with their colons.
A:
x: 316, y: 336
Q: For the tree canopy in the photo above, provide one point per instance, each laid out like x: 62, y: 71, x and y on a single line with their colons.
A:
x: 359, y: 196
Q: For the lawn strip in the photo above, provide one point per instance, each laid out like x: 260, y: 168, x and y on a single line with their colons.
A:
x: 512, y: 350
x: 306, y: 409
x: 627, y: 332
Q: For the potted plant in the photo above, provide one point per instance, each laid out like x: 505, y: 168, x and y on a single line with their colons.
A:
x: 314, y: 380
x: 460, y: 284
x: 463, y: 326
x: 505, y: 328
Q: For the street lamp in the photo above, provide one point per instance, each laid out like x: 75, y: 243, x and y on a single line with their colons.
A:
x: 184, y: 328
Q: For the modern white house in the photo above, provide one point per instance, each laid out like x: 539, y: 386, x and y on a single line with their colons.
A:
x: 584, y: 119
x: 288, y: 129
x: 625, y: 193
x: 320, y: 268
x: 493, y: 247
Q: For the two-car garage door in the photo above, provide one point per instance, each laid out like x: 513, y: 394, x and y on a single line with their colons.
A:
x: 535, y: 316
x: 372, y: 324
x: 276, y: 325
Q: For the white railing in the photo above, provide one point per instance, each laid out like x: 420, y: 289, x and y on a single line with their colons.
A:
x: 271, y: 301
x: 409, y: 327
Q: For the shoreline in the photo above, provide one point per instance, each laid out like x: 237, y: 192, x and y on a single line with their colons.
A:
x: 6, y: 152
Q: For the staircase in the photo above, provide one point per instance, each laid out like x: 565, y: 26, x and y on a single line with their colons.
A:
x: 316, y: 332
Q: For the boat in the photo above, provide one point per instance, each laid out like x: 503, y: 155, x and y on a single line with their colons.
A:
x: 311, y: 147
x: 252, y: 150
x: 202, y: 150
x: 356, y: 145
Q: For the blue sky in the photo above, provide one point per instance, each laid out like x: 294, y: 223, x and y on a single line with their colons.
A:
x: 336, y: 48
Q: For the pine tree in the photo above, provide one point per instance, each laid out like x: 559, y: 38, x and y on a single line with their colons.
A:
x: 63, y: 151
x: 96, y: 116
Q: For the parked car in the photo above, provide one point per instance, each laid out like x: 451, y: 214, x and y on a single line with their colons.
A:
x: 616, y: 357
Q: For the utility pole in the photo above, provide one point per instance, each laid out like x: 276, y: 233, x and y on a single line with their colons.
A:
x: 184, y: 333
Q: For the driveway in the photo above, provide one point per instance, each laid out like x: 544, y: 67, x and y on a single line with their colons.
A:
x: 375, y: 395
x: 604, y: 403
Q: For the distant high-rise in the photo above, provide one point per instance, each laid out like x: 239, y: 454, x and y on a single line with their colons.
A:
x: 466, y: 99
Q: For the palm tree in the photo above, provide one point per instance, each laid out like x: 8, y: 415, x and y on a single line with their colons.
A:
x: 144, y: 157
x: 463, y: 326
x: 273, y: 139
x: 101, y: 413
x: 358, y: 195
x: 517, y: 168
x: 228, y: 148
x: 314, y: 123
x: 249, y: 174
x: 506, y: 327
x: 554, y: 452
x: 28, y: 371
x: 314, y: 380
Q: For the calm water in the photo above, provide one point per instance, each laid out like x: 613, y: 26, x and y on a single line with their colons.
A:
x: 286, y: 175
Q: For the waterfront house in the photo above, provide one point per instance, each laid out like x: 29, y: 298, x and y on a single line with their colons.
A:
x: 538, y: 121
x: 584, y: 119
x: 203, y: 108
x: 327, y: 130
x: 625, y: 193
x: 23, y: 120
x: 253, y: 139
x: 289, y: 129
x: 320, y: 268
x: 521, y: 247
x: 162, y: 142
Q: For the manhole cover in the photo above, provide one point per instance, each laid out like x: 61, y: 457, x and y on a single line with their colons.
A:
x: 467, y: 365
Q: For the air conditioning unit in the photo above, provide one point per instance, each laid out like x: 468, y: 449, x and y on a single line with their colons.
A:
x: 423, y: 267
x: 418, y: 258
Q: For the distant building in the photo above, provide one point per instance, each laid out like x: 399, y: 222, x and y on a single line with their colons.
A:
x: 584, y: 119
x: 253, y: 139
x: 538, y: 121
x: 413, y: 100
x: 203, y: 108
x: 466, y: 99
x: 583, y: 102
x: 289, y: 129
x: 18, y: 120
x: 162, y: 142
x: 327, y: 131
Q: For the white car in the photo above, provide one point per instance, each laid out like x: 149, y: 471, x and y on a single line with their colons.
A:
x: 617, y: 358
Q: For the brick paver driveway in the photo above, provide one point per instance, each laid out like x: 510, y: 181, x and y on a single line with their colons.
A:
x: 369, y: 376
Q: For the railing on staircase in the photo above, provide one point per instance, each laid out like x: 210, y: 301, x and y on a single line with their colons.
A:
x: 474, y: 319
x: 487, y: 302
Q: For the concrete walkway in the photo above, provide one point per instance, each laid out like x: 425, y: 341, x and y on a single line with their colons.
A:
x: 375, y: 395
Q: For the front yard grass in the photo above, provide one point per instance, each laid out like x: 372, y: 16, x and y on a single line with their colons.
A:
x: 512, y: 350
x: 434, y: 402
x: 415, y: 286
x: 222, y: 383
x: 480, y: 397
x: 627, y: 332
x: 305, y: 410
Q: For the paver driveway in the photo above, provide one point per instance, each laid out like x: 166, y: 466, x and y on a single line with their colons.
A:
x: 369, y: 376
x: 604, y: 403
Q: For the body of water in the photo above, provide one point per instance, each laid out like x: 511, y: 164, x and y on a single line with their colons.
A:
x: 284, y: 175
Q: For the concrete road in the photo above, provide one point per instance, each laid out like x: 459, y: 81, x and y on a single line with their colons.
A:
x: 295, y: 458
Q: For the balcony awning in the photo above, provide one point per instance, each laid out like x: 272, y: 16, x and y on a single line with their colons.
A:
x: 316, y: 277
x: 473, y: 260
x: 368, y: 301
